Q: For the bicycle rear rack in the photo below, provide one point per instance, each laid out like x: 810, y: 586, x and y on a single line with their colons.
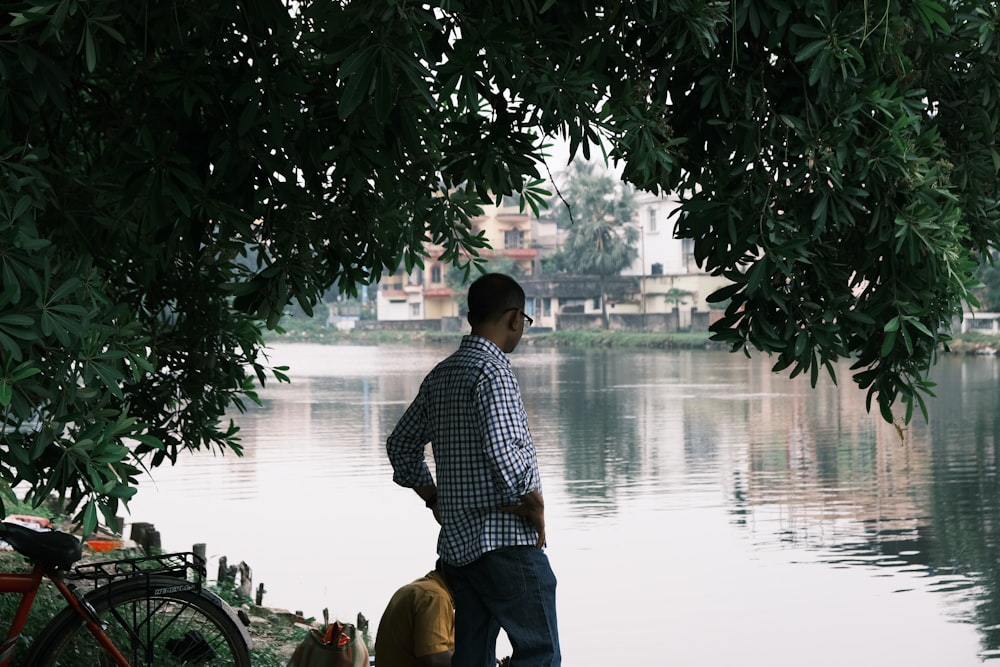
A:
x: 179, y: 565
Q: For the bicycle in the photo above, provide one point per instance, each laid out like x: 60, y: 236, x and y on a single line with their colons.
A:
x: 141, y: 611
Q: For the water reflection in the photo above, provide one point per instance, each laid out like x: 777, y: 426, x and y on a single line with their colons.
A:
x: 715, y: 512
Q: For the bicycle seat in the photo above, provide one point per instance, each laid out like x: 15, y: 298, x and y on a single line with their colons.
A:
x: 51, y: 547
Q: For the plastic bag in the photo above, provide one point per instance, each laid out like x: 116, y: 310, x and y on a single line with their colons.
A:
x: 336, y: 645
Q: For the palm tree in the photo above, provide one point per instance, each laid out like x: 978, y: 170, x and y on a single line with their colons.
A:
x: 676, y: 296
x: 594, y: 207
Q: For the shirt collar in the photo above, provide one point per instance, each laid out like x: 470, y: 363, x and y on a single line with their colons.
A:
x: 486, y: 345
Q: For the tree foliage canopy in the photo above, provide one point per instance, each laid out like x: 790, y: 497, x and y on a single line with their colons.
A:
x: 842, y: 170
x: 175, y: 173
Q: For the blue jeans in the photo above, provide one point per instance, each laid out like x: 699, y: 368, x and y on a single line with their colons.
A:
x: 511, y: 588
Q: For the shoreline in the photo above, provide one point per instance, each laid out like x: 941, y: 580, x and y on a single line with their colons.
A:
x: 968, y: 344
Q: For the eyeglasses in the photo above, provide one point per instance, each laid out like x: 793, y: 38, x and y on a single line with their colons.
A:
x: 527, y: 320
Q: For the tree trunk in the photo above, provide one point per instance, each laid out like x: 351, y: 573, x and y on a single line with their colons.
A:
x: 605, y: 324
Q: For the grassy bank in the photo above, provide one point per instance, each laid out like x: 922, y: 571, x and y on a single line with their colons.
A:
x: 589, y: 338
x: 622, y: 339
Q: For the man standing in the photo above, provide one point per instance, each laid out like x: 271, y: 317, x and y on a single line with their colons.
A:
x: 488, y: 496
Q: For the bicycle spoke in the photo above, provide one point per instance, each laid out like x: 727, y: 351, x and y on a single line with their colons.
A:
x: 145, y: 627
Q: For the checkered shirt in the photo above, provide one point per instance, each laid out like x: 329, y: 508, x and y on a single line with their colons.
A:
x: 469, y: 408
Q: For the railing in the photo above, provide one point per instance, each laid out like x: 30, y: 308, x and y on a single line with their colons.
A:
x: 987, y: 323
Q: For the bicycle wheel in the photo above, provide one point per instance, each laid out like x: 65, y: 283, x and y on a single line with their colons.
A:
x: 153, y: 621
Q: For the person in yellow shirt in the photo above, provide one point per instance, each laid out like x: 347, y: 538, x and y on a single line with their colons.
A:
x: 417, y: 628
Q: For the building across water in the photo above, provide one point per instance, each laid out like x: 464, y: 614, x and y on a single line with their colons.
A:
x: 663, y: 291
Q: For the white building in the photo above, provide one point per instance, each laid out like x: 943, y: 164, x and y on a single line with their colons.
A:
x: 660, y: 253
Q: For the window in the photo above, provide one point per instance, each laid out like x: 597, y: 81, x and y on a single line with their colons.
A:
x: 436, y: 274
x: 687, y: 247
x: 415, y: 310
x: 513, y: 238
x: 651, y: 216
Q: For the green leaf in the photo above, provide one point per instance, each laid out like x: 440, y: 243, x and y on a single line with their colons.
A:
x: 888, y: 343
x: 384, y: 92
x: 811, y: 49
x: 885, y: 407
x: 90, y: 49
x: 356, y: 72
x: 26, y: 18
x: 59, y: 16
x: 24, y: 370
x: 931, y: 13
x: 89, y: 523
x: 23, y: 204
x: 114, y: 34
x: 807, y: 30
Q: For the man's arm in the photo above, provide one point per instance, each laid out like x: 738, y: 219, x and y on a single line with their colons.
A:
x: 429, y: 494
x: 406, y: 446
x: 506, y: 439
x: 534, y: 509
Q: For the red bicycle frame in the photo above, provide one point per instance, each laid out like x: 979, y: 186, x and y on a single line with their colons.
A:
x: 27, y: 585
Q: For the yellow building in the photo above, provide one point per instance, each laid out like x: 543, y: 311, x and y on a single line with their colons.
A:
x: 425, y: 294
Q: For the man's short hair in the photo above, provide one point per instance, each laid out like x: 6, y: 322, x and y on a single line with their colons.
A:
x: 493, y: 294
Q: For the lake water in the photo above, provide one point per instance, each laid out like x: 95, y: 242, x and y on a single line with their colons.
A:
x: 701, y: 511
